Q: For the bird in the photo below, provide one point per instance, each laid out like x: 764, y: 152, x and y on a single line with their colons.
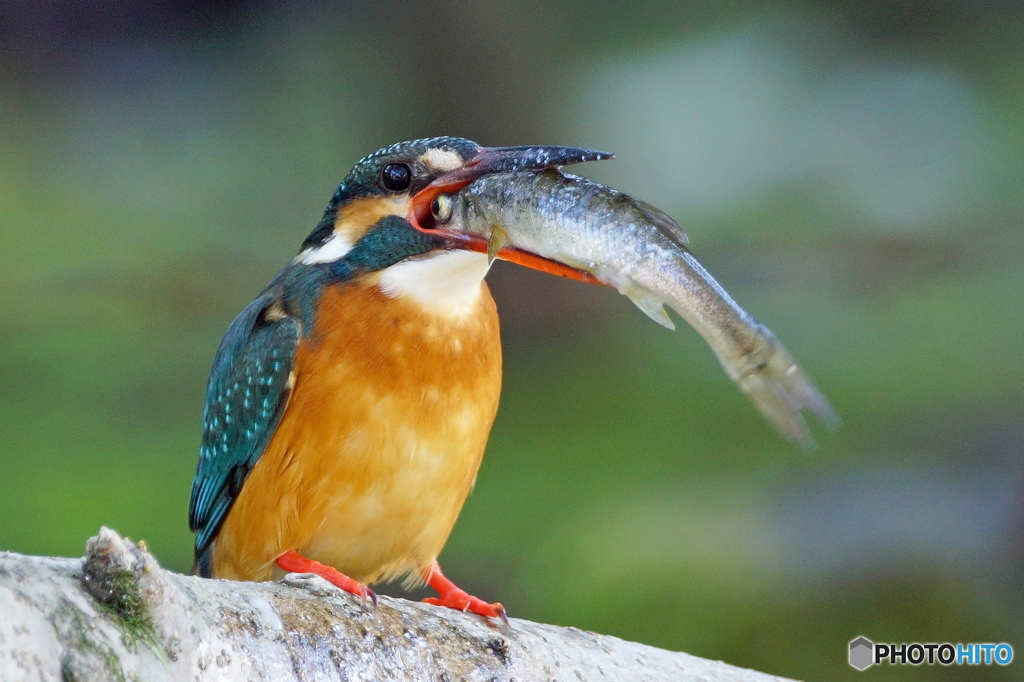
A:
x: 350, y: 403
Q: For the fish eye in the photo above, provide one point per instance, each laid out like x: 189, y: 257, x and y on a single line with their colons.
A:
x: 441, y: 208
x: 396, y: 177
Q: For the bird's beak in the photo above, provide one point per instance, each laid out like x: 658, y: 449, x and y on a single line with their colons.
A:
x: 498, y: 160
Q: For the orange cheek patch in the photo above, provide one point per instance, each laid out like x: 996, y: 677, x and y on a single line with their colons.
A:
x: 355, y: 217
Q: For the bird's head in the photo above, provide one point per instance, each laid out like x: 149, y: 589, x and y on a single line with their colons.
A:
x: 366, y: 230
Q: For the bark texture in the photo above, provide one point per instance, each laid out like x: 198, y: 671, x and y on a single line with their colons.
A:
x: 116, y: 615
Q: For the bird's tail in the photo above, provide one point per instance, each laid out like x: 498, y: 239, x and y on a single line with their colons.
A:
x: 203, y: 566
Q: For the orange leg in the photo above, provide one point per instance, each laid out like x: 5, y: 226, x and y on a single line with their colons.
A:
x: 454, y: 598
x: 293, y: 562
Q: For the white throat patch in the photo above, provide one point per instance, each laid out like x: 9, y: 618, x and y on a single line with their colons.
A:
x: 448, y: 283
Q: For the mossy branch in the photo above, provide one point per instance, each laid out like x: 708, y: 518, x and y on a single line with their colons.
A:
x: 74, y: 619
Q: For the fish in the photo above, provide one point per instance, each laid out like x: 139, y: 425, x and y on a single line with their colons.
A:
x: 568, y: 225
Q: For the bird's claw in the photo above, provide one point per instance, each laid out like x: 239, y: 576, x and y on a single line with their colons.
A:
x: 453, y: 597
x: 461, y: 601
x: 294, y: 562
x: 368, y: 593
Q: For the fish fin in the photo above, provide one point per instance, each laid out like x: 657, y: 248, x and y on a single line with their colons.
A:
x: 497, y: 240
x: 668, y: 227
x: 652, y: 306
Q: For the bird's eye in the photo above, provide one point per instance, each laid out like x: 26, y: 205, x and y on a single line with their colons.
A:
x: 441, y: 208
x: 396, y: 177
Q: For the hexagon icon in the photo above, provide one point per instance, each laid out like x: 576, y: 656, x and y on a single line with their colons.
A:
x: 862, y: 653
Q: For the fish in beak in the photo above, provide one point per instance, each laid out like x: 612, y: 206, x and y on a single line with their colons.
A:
x: 539, y: 217
x: 428, y: 207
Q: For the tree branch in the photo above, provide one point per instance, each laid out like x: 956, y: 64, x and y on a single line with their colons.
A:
x: 116, y: 615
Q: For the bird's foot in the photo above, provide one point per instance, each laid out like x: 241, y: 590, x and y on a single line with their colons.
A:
x: 293, y: 562
x: 455, y: 598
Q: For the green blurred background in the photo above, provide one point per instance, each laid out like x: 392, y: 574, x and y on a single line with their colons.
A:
x: 851, y: 170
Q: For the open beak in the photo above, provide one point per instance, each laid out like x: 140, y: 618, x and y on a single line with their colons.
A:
x: 498, y: 160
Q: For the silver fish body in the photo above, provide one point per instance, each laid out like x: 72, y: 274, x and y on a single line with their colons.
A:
x: 634, y: 247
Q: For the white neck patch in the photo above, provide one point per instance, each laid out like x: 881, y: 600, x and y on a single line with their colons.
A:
x: 331, y: 250
x: 448, y: 283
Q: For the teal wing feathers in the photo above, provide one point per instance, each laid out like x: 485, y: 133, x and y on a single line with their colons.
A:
x: 245, y: 398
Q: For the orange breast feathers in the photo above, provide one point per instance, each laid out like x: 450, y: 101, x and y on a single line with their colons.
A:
x: 379, y: 445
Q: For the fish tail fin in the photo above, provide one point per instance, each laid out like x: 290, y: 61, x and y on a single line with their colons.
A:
x: 781, y: 389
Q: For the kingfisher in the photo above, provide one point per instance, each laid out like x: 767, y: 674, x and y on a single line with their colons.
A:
x: 349, y: 404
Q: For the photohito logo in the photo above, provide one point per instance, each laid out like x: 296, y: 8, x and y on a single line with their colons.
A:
x: 864, y: 653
